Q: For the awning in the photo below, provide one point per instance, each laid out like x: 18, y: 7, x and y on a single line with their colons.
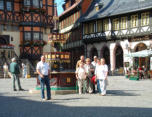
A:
x: 143, y: 53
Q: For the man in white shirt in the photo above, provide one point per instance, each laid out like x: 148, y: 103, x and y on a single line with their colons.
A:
x: 43, y: 71
x: 94, y: 62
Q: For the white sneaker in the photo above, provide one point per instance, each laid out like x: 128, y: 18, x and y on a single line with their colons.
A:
x: 43, y: 99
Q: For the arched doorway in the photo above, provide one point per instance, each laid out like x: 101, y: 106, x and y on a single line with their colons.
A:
x: 144, y: 61
x: 118, y: 57
x: 93, y: 53
x: 106, y: 55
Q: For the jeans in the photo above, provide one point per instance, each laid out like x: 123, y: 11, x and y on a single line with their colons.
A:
x: 45, y: 81
x: 98, y: 86
x: 16, y: 77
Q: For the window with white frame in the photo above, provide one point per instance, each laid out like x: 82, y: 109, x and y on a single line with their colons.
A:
x: 106, y: 25
x: 36, y: 36
x: 145, y: 19
x: 134, y: 21
x: 36, y: 3
x: 27, y: 2
x: 115, y: 23
x: 123, y: 22
x: 27, y: 36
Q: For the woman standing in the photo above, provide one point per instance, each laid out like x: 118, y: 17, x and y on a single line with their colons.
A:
x: 101, y: 73
x: 81, y: 77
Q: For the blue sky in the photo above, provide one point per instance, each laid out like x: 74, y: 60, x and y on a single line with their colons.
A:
x: 59, y: 6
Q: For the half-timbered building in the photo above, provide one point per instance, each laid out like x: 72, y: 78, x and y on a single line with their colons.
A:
x: 69, y: 25
x: 24, y: 26
x: 113, y: 28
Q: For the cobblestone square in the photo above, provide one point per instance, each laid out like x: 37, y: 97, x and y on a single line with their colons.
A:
x: 125, y: 98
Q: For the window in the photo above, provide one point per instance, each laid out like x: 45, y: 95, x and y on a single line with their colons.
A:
x: 1, y: 5
x: 41, y: 36
x: 145, y: 19
x: 27, y: 3
x: 27, y: 36
x: 123, y: 22
x: 115, y: 24
x: 106, y: 25
x: 41, y: 3
x: 85, y: 28
x: 99, y: 26
x: 134, y: 21
x: 36, y: 36
x: 36, y: 3
x: 9, y: 6
x: 91, y: 27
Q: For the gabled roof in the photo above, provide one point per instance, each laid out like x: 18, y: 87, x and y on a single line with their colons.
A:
x: 70, y: 8
x: 114, y: 7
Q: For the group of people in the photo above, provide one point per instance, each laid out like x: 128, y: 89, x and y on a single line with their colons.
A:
x: 141, y: 70
x: 89, y: 73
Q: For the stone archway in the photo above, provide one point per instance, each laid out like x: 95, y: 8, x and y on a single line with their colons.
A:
x: 105, y: 53
x: 118, y: 57
x: 4, y: 39
x: 140, y: 47
x: 93, y: 53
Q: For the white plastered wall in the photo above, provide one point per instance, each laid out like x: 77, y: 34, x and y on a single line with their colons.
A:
x: 16, y: 40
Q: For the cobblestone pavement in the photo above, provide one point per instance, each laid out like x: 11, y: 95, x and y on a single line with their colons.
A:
x: 124, y: 98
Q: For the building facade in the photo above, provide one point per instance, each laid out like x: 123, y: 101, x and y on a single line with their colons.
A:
x: 69, y: 25
x: 114, y: 28
x: 25, y: 25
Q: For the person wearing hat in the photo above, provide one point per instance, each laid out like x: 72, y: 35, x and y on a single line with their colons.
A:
x: 15, y: 71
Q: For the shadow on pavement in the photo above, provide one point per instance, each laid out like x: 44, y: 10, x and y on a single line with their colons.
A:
x: 121, y: 93
x: 16, y: 107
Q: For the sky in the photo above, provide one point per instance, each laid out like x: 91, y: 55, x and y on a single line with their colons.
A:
x: 59, y: 6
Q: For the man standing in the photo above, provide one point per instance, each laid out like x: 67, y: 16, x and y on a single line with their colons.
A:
x: 79, y: 61
x: 94, y: 63
x: 43, y: 71
x: 15, y: 71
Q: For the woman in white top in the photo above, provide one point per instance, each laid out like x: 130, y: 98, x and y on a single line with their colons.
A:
x: 81, y: 77
x: 101, y: 73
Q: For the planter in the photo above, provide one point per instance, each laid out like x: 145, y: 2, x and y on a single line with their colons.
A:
x: 134, y: 78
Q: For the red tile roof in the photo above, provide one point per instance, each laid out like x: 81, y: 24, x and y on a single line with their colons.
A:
x: 69, y: 9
